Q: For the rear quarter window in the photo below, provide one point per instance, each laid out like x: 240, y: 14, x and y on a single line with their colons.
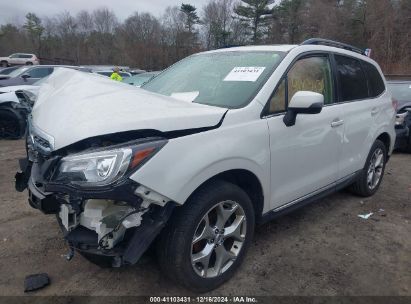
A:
x: 352, y: 78
x: 375, y: 81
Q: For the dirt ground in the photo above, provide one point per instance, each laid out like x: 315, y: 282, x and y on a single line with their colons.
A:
x: 322, y: 249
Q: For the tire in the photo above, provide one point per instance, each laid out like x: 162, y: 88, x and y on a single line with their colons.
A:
x: 208, y: 207
x: 366, y: 186
x: 12, y: 125
x: 4, y: 64
x: 29, y: 63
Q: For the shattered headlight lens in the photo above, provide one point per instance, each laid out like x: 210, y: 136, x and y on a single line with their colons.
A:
x: 102, y: 167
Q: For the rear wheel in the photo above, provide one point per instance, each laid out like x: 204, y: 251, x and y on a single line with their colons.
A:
x: 4, y: 64
x: 371, y: 175
x: 206, y: 240
x: 29, y: 63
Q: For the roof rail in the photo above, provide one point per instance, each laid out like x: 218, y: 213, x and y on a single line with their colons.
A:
x: 319, y: 41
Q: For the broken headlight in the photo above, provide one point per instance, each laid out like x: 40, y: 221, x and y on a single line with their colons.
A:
x: 102, y: 167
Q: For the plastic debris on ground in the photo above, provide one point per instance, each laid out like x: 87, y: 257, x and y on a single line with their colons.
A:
x: 365, y: 216
x: 36, y: 281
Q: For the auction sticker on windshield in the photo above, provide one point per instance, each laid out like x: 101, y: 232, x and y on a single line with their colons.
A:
x: 244, y: 74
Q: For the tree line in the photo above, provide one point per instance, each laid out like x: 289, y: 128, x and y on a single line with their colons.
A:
x: 148, y: 42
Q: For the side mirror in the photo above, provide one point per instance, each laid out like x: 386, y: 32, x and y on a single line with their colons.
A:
x: 25, y: 76
x: 303, y: 102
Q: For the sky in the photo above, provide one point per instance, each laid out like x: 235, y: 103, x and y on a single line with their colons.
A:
x: 14, y: 10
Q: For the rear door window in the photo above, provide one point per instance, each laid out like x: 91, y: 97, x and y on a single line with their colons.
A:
x: 352, y: 78
x: 375, y: 81
x: 26, y: 56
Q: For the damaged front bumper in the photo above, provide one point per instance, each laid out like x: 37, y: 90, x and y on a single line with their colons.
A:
x: 117, y: 222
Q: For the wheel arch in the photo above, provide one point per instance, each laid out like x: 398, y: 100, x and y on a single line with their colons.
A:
x: 247, y: 181
x: 386, y: 140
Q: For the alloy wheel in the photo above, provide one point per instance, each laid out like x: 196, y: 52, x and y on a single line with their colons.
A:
x: 218, y: 239
x: 375, y: 169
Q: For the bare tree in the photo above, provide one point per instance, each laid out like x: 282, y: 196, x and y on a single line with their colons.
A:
x: 144, y: 41
x: 217, y: 20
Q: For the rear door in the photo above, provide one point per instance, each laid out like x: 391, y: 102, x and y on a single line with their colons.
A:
x: 359, y: 112
x: 304, y: 157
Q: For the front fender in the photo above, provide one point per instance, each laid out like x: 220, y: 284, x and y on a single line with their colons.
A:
x: 187, y: 162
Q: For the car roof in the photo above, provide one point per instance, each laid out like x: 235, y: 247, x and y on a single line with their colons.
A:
x: 249, y: 48
x: 398, y: 78
x: 111, y: 71
x: 399, y: 81
x: 289, y: 47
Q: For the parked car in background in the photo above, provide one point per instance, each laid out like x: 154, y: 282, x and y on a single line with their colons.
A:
x: 400, y: 88
x: 28, y: 75
x: 216, y: 144
x: 140, y: 79
x: 19, y: 59
x: 16, y: 103
x: 8, y: 70
x: 137, y: 71
x: 108, y: 73
x: 95, y: 68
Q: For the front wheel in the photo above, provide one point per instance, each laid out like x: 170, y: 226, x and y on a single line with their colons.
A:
x: 371, y: 175
x: 206, y: 240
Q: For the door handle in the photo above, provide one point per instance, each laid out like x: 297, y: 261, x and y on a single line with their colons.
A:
x: 374, y: 111
x: 337, y: 123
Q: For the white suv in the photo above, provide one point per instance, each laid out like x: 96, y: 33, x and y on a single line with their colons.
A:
x: 216, y: 144
x: 19, y: 59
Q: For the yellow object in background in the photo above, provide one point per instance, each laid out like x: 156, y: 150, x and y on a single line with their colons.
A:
x: 115, y: 76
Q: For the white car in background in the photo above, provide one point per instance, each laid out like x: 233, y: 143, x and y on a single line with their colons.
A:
x: 16, y: 103
x: 10, y: 94
x: 216, y: 144
x: 19, y: 59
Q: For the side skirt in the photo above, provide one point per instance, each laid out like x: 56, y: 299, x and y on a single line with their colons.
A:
x: 299, y: 203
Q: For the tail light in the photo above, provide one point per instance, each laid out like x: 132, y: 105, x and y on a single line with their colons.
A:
x: 394, y: 104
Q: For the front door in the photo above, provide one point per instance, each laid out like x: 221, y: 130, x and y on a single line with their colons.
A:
x: 304, y: 157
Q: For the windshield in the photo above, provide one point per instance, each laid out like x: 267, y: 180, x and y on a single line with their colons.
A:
x: 18, y: 71
x: 401, y: 91
x: 223, y: 79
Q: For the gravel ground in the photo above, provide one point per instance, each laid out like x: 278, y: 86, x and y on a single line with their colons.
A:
x: 323, y: 249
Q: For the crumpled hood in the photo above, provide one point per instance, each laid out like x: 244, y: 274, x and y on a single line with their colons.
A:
x: 72, y: 106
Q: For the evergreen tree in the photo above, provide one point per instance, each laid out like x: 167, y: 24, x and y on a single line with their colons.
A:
x: 191, y: 17
x: 256, y: 13
x: 34, y: 29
